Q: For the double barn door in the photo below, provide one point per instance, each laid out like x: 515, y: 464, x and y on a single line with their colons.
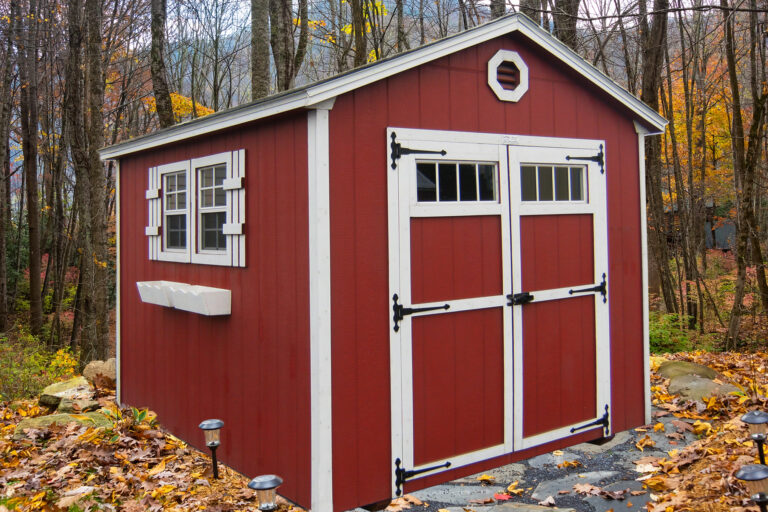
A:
x: 498, y: 287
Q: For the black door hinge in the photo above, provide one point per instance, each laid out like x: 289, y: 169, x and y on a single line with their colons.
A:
x: 402, y: 474
x: 399, y: 312
x: 398, y: 150
x: 604, y: 421
x: 602, y: 288
x: 598, y: 158
x: 519, y: 299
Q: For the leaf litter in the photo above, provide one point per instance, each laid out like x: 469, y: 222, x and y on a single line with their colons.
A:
x: 131, y: 465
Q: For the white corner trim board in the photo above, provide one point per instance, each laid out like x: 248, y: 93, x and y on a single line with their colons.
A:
x: 202, y: 300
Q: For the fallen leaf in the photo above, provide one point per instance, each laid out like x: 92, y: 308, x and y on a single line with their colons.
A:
x: 486, y: 478
x: 645, y: 441
x: 549, y: 502
x: 502, y: 497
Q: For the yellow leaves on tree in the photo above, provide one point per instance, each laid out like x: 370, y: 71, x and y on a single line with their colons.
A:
x: 182, y: 107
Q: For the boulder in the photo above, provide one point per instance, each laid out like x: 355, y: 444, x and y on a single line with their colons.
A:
x: 68, y: 405
x: 102, y: 374
x: 669, y: 369
x: 73, y: 388
x: 695, y: 387
x: 89, y: 419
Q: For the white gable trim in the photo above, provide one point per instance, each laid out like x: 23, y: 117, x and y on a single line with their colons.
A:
x: 312, y: 95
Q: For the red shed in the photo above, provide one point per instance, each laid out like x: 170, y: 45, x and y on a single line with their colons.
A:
x: 436, y: 258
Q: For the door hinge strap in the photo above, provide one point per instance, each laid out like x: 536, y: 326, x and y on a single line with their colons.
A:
x: 398, y: 150
x: 604, y: 421
x: 602, y: 288
x: 402, y: 474
x: 400, y: 312
x: 598, y: 158
x: 518, y: 299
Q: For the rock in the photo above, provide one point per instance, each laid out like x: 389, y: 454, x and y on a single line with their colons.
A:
x: 566, y: 483
x: 73, y: 388
x: 671, y: 369
x: 68, y: 405
x: 695, y: 387
x: 89, y: 419
x: 102, y: 374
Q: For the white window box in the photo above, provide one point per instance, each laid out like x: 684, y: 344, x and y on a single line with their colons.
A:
x: 203, y: 300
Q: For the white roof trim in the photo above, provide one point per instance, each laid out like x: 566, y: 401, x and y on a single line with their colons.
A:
x: 331, y: 88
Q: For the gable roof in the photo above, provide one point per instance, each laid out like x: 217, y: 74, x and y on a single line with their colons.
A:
x: 318, y: 92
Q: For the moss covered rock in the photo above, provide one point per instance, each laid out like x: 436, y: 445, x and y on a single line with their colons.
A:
x: 671, y: 369
x: 89, y: 419
x: 76, y: 388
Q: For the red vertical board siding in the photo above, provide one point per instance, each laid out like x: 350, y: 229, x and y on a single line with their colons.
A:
x: 559, y: 371
x: 452, y: 93
x: 455, y: 258
x: 458, y: 382
x: 556, y: 251
x: 251, y: 369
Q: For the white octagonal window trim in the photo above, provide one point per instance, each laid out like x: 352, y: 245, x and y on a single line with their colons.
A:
x: 512, y: 61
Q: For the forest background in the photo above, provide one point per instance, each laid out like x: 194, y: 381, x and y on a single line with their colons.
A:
x: 76, y: 75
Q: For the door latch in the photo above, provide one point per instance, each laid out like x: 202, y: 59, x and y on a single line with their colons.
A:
x: 518, y: 299
x: 400, y: 312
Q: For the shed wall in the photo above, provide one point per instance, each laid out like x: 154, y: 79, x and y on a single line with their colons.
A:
x: 452, y: 94
x: 250, y: 369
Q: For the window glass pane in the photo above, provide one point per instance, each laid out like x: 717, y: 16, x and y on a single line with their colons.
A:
x: 181, y: 200
x: 426, y: 182
x: 221, y: 173
x: 220, y: 196
x: 212, y: 231
x: 561, y: 184
x: 577, y: 184
x: 206, y: 198
x: 448, y: 187
x: 170, y: 201
x: 176, y: 231
x: 206, y: 177
x: 528, y: 183
x: 545, y: 183
x: 170, y: 182
x: 181, y: 181
x: 468, y: 182
x: 487, y: 184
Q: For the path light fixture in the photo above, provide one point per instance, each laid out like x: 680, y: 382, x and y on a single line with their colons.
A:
x: 755, y: 478
x: 212, y: 431
x: 757, y: 421
x: 266, y: 487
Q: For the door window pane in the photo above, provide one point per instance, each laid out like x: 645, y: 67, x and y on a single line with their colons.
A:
x: 487, y: 182
x: 561, y: 184
x: 426, y: 182
x: 447, y: 180
x: 528, y: 183
x: 545, y: 184
x: 577, y: 184
x: 468, y: 182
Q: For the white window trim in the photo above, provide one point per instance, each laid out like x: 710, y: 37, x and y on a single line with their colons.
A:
x: 234, y: 255
x: 165, y: 254
x: 210, y: 257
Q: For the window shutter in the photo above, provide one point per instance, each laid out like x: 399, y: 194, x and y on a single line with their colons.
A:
x: 154, y: 205
x: 234, y: 228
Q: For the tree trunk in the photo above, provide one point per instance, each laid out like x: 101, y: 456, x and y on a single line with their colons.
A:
x: 498, y: 8
x: 6, y: 104
x: 157, y: 66
x: 531, y: 8
x: 564, y: 17
x: 358, y: 32
x: 29, y: 133
x: 653, y: 42
x: 259, y: 49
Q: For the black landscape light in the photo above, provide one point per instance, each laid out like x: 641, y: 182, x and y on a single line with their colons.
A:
x: 212, y: 431
x: 755, y: 478
x: 757, y: 421
x: 266, y: 487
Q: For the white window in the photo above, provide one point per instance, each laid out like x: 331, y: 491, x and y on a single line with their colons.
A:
x: 197, y: 210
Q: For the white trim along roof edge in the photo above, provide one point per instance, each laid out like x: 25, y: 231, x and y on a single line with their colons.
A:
x: 330, y: 88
